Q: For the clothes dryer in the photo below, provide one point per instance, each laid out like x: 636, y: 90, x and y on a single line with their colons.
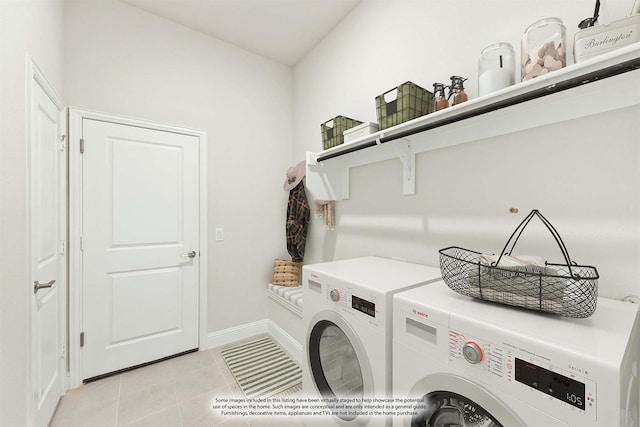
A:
x: 348, y: 315
x: 460, y: 361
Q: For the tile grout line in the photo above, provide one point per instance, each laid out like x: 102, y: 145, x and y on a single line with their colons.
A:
x: 212, y: 361
x: 118, y: 399
x: 175, y: 396
x: 172, y: 369
x: 177, y: 405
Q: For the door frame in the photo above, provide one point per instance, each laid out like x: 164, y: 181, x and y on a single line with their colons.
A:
x: 35, y: 76
x: 76, y: 117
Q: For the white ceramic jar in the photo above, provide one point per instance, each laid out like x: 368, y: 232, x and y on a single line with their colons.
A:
x: 543, y: 48
x: 496, y: 68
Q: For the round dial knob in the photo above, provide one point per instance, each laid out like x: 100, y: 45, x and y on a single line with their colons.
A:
x: 334, y: 295
x: 472, y: 352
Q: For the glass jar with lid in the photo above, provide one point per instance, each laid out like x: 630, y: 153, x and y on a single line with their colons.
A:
x: 496, y: 68
x: 543, y: 48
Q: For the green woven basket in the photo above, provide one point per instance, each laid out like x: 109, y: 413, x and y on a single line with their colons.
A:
x: 332, y: 130
x: 411, y: 101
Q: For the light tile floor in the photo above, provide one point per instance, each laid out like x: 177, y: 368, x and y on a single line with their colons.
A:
x: 174, y: 393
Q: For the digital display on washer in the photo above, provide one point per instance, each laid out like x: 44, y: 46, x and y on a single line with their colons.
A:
x: 564, y: 388
x: 367, y: 307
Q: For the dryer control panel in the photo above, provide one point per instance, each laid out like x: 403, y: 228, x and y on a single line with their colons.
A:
x: 526, y: 374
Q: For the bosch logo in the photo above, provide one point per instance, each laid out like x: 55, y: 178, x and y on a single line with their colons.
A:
x: 421, y: 314
x: 315, y: 275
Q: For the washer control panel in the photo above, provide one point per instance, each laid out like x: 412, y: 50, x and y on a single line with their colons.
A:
x: 524, y: 373
x: 354, y: 302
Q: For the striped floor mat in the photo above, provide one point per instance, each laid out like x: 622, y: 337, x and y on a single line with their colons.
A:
x: 261, y: 368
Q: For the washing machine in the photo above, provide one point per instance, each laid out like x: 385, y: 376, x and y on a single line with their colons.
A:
x: 465, y: 362
x: 348, y: 316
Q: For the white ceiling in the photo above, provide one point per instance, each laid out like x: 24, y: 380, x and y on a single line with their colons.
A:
x: 283, y: 30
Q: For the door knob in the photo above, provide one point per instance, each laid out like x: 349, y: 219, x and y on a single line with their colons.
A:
x: 190, y: 254
x: 37, y: 285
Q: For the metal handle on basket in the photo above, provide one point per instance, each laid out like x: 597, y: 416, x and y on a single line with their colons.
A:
x: 520, y: 228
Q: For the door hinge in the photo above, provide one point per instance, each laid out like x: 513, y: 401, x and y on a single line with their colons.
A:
x: 62, y: 142
x: 63, y: 351
x: 81, y: 339
x: 81, y: 245
x: 81, y: 146
x: 62, y: 247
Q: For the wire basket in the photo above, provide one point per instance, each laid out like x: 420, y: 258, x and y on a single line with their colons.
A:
x: 568, y: 289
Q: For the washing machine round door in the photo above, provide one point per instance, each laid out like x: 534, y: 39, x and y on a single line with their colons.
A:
x: 338, y: 364
x: 448, y: 400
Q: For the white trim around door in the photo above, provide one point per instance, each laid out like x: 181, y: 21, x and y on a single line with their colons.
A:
x: 76, y: 117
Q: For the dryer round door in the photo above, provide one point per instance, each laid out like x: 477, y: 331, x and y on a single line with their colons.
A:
x: 339, y: 365
x: 449, y: 400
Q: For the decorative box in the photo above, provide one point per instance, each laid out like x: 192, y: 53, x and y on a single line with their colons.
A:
x: 605, y: 38
x: 360, y: 131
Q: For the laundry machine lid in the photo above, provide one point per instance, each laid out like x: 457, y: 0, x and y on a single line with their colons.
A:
x: 384, y: 275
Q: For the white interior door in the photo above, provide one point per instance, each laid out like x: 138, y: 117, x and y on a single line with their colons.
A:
x: 48, y: 225
x: 140, y: 253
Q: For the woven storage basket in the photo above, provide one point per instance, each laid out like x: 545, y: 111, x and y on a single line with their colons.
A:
x: 333, y: 130
x: 568, y: 289
x: 410, y: 102
x: 286, y: 273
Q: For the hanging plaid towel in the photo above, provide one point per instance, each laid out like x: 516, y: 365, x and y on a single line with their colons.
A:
x: 298, y: 214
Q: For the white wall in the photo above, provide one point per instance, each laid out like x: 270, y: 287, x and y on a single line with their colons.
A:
x: 34, y: 28
x: 583, y: 175
x: 122, y: 60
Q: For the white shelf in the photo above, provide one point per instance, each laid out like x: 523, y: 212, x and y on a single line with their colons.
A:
x: 608, y: 82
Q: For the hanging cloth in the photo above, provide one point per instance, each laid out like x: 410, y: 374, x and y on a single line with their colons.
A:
x: 326, y: 209
x: 298, y: 214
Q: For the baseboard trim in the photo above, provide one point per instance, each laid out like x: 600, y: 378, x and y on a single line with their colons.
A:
x: 291, y: 346
x: 237, y: 333
x: 248, y: 330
